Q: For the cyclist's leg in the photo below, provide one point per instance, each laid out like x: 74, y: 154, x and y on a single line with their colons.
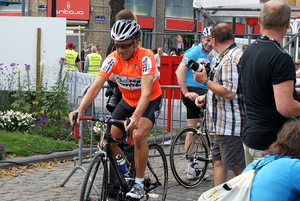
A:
x: 121, y: 112
x: 193, y: 114
x: 140, y: 134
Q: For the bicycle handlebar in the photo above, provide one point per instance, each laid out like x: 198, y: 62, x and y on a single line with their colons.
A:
x: 103, y: 120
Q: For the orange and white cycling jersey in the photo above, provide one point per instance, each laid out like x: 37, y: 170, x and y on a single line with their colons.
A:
x: 129, y: 74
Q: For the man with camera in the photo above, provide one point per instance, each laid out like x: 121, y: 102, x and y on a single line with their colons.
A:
x: 225, y: 109
x: 190, y: 89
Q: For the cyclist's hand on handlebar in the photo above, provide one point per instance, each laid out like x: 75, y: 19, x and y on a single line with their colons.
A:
x: 72, y: 115
x: 133, y: 123
x: 200, y: 101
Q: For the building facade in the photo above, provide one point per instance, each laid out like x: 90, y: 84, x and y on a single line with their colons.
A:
x: 88, y: 21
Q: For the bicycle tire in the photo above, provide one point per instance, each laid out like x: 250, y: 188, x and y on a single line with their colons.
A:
x: 156, y: 174
x: 95, y: 182
x: 178, y: 159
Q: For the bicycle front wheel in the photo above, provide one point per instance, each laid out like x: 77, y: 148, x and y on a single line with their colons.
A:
x: 94, y: 186
x: 156, y: 174
x: 195, y: 151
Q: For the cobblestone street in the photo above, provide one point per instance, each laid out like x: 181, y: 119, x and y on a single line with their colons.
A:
x: 41, y: 184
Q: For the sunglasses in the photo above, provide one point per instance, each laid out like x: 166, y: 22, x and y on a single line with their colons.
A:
x: 297, y: 63
x: 124, y: 46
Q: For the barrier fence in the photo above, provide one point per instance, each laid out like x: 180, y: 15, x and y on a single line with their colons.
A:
x: 172, y: 117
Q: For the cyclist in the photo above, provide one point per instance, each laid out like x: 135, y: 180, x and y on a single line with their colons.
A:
x: 138, y: 79
x: 191, y: 89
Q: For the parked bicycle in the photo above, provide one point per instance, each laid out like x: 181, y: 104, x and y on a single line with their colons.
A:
x: 95, y: 183
x: 197, y: 152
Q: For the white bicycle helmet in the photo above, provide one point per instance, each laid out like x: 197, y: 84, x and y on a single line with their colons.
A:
x: 206, y: 31
x: 125, y: 29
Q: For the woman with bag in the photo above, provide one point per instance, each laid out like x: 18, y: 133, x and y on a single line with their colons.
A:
x: 280, y: 179
x: 273, y: 178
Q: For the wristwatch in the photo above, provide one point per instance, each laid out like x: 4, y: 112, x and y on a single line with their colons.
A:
x: 205, y: 82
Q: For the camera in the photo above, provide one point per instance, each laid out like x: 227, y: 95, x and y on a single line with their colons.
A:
x: 197, y: 67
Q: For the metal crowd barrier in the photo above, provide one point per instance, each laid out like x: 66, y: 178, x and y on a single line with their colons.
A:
x: 171, y: 119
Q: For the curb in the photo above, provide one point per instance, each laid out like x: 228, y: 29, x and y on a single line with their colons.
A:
x: 59, y: 156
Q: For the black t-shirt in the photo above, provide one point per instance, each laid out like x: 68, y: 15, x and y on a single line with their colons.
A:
x: 264, y: 64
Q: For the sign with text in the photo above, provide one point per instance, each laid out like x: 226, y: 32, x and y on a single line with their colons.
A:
x: 100, y: 19
x: 71, y: 9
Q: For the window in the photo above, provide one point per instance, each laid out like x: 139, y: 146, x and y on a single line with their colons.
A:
x: 179, y: 9
x: 139, y: 7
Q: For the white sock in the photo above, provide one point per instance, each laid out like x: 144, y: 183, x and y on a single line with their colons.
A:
x: 190, y: 169
x: 139, y: 181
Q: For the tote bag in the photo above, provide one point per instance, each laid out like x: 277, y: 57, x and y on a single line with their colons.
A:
x: 236, y: 189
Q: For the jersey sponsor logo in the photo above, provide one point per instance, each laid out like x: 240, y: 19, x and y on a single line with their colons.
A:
x: 129, y: 83
x: 146, y: 61
x: 202, y: 60
x: 107, y: 64
x: 185, y: 59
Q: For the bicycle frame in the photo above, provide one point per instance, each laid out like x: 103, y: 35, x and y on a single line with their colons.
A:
x: 155, y: 187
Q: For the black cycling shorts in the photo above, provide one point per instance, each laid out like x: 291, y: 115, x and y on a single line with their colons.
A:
x: 124, y: 110
x: 192, y: 110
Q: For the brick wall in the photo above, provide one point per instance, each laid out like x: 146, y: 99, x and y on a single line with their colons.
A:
x: 160, y: 22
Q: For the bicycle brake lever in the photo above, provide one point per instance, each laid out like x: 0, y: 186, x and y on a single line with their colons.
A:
x: 129, y: 134
x: 75, y: 126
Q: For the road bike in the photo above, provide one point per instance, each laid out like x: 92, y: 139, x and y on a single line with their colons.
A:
x: 197, y: 152
x: 95, y: 183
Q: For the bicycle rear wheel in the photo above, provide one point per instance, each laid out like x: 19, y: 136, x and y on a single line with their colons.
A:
x: 198, y: 154
x: 94, y: 186
x: 156, y: 174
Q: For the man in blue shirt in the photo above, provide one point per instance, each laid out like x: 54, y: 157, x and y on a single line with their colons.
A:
x: 190, y: 88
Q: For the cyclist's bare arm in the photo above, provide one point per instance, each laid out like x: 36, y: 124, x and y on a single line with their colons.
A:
x: 180, y: 74
x: 112, y: 78
x: 146, y: 88
x: 88, y: 98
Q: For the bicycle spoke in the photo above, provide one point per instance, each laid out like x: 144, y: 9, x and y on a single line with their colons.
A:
x: 95, y: 182
x: 156, y: 174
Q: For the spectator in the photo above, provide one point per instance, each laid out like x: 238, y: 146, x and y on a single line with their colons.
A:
x: 167, y: 44
x: 72, y: 58
x: 154, y: 51
x: 83, y: 51
x: 268, y: 79
x: 190, y: 89
x: 187, y: 43
x: 297, y: 67
x: 141, y: 94
x: 225, y: 109
x: 88, y: 51
x: 157, y: 56
x: 174, y: 44
x: 279, y: 177
x: 180, y: 45
x: 244, y: 47
x: 173, y: 53
x: 92, y: 62
x: 99, y: 49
